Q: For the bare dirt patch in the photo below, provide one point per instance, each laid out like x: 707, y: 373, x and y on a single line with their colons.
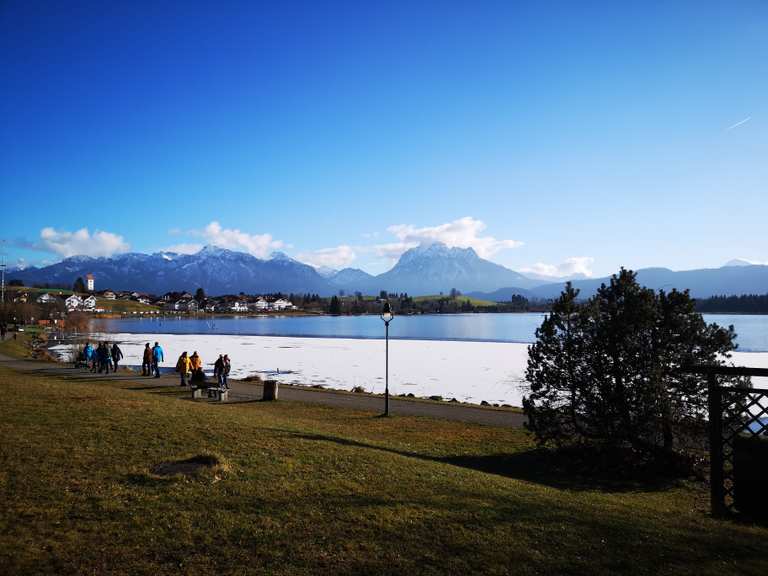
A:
x: 193, y: 466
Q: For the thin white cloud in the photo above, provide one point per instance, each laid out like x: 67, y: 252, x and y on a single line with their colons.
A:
x: 259, y: 245
x: 576, y: 265
x: 462, y: 233
x: 739, y: 123
x: 82, y: 242
x: 393, y: 250
x: 337, y: 257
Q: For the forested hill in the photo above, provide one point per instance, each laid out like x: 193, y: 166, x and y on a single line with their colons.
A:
x: 745, y: 304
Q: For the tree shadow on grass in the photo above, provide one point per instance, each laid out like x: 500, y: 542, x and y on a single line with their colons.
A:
x: 558, y: 469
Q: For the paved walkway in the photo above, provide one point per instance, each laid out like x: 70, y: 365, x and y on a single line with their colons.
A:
x: 250, y: 392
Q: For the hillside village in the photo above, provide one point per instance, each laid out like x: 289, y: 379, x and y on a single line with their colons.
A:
x: 48, y: 304
x: 107, y: 301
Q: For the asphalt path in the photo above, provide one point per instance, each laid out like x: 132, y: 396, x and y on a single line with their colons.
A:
x: 252, y: 392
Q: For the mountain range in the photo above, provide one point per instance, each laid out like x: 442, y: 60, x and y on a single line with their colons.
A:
x: 426, y: 269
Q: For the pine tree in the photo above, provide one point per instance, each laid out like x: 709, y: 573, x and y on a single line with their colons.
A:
x: 335, y: 306
x: 608, y: 369
x: 79, y: 286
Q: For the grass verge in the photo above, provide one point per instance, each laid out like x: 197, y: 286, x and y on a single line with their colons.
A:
x: 289, y: 488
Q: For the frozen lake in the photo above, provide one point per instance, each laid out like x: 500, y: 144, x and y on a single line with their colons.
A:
x: 471, y: 362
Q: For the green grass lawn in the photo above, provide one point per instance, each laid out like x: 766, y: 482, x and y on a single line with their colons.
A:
x: 35, y: 292
x: 315, y: 490
x: 461, y: 298
x: 123, y: 306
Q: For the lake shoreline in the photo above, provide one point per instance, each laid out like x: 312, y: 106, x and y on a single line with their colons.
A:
x: 469, y: 371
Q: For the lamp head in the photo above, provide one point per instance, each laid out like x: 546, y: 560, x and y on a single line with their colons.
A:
x: 386, y: 313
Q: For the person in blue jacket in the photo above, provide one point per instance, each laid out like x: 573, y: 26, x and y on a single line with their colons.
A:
x: 88, y: 354
x: 157, y: 357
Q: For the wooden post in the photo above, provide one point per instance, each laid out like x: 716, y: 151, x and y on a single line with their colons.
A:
x: 716, y: 488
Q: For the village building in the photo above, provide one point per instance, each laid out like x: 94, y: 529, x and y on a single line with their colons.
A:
x: 239, y: 307
x: 46, y: 299
x: 89, y: 303
x: 261, y: 305
x: 90, y: 282
x: 74, y: 302
x: 109, y: 295
x: 282, y: 304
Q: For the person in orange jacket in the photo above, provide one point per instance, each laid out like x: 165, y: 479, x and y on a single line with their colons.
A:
x: 184, y: 367
x: 197, y: 367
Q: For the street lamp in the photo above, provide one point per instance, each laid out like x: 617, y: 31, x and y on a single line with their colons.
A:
x: 386, y: 316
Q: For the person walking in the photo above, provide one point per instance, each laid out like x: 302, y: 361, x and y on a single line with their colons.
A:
x: 2, y: 330
x: 103, y: 353
x: 95, y: 359
x: 197, y: 367
x: 146, y: 362
x: 183, y: 367
x: 227, y: 368
x: 88, y: 354
x: 218, y: 370
x: 117, y: 355
x: 157, y: 357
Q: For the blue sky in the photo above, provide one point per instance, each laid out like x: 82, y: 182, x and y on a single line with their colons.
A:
x: 551, y: 136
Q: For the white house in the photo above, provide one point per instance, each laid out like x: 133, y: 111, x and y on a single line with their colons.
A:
x: 281, y: 304
x: 90, y: 303
x: 239, y: 307
x: 74, y: 302
x: 46, y: 299
x: 261, y: 305
x: 109, y: 295
x: 192, y: 306
x: 210, y: 307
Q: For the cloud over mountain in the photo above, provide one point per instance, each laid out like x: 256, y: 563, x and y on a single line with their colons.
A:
x: 462, y: 233
x: 574, y: 266
x: 337, y: 257
x: 82, y: 242
x: 259, y: 245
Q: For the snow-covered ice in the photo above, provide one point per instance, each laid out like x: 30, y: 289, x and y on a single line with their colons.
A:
x: 468, y: 371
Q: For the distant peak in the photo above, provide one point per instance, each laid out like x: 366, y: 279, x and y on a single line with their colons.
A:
x: 211, y: 249
x: 79, y: 258
x: 281, y: 256
x: 440, y: 249
x: 737, y: 262
x: 326, y: 271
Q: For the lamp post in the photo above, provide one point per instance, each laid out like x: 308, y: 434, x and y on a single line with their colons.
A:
x: 386, y: 316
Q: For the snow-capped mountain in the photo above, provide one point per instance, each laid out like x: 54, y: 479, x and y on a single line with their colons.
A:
x: 427, y: 269
x: 434, y: 268
x: 216, y: 270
